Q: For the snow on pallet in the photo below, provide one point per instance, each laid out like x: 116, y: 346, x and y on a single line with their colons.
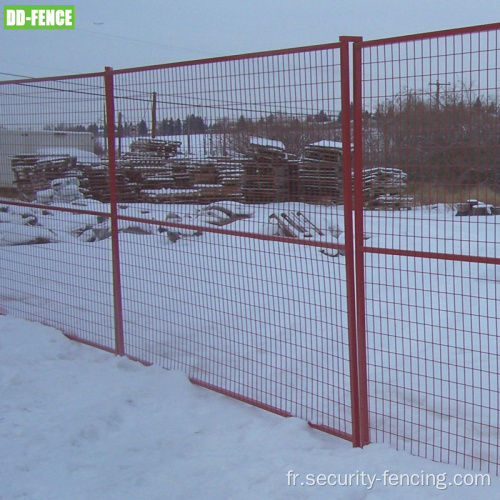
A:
x: 475, y: 207
x: 319, y: 171
x: 385, y: 188
x: 35, y: 172
x: 150, y: 172
x: 153, y: 171
x: 266, y: 177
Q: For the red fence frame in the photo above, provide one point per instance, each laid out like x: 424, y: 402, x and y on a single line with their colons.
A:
x: 474, y: 450
x: 359, y: 429
x: 357, y: 252
x: 116, y: 218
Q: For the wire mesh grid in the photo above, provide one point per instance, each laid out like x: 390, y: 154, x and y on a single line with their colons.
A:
x: 430, y: 132
x: 48, y: 152
x: 210, y: 239
x: 216, y: 236
x: 250, y: 316
x: 232, y: 172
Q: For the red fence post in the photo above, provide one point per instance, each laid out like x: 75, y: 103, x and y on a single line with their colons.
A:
x: 117, y: 290
x: 358, y: 405
x: 359, y: 244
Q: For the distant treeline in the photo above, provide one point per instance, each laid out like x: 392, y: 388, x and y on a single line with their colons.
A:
x: 193, y: 124
x: 453, y: 137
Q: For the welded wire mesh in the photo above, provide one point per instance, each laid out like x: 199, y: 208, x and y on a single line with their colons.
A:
x: 198, y: 216
x: 51, y: 143
x: 430, y: 135
x: 208, y: 239
x: 245, y: 155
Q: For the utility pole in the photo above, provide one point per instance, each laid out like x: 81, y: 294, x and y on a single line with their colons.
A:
x: 438, y: 87
x: 153, y: 117
x: 119, y: 133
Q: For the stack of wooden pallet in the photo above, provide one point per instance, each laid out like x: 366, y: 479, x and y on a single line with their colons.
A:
x: 149, y: 171
x: 152, y: 178
x: 96, y: 181
x: 154, y: 148
x: 198, y: 180
x: 34, y: 173
x: 319, y: 173
x: 266, y: 177
x: 164, y: 175
x: 147, y: 163
x: 385, y: 189
x: 168, y: 183
x: 231, y: 174
x: 203, y: 172
x: 206, y: 178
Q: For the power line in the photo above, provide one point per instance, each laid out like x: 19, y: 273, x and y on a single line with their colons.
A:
x: 31, y: 66
x: 13, y: 74
x: 118, y: 37
x: 146, y: 42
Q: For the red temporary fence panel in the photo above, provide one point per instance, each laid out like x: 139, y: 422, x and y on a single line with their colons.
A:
x: 243, y: 308
x: 309, y: 230
x: 215, y: 210
x: 427, y: 125
x: 62, y: 283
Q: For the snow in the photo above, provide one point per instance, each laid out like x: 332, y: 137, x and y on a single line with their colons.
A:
x: 328, y: 144
x: 268, y: 143
x: 81, y: 155
x: 79, y: 423
x: 24, y: 235
x: 255, y: 316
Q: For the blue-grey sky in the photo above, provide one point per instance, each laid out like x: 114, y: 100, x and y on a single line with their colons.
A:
x: 128, y: 33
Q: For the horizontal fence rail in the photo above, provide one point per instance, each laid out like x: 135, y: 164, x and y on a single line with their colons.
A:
x: 310, y: 230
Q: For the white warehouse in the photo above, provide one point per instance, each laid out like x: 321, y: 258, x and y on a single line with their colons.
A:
x: 15, y: 142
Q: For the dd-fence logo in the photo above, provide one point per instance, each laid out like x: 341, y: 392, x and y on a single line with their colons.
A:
x: 39, y: 17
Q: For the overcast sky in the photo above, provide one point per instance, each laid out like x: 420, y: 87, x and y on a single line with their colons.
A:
x: 129, y: 33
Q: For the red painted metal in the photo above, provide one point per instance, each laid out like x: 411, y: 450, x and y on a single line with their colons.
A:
x: 430, y: 305
x: 79, y: 339
x: 232, y: 58
x: 477, y: 259
x: 349, y: 250
x: 239, y: 397
x: 249, y: 88
x: 360, y: 313
x: 360, y: 347
x: 30, y: 81
x: 333, y: 432
x: 115, y: 248
x: 433, y: 35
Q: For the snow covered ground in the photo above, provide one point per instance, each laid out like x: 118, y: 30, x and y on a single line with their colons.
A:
x: 268, y: 319
x: 77, y: 423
